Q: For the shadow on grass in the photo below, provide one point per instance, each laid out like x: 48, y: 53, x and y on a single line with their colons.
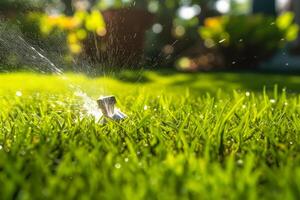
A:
x: 133, y: 77
x: 246, y: 81
x: 213, y: 81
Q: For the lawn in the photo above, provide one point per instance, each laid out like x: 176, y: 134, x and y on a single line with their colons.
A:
x: 187, y: 136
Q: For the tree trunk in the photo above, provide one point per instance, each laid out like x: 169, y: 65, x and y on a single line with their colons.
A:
x: 69, y: 7
x: 264, y: 6
x: 295, y: 7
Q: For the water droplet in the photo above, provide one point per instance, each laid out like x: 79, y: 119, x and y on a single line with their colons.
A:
x: 233, y: 62
x: 118, y: 165
x: 157, y: 28
x: 145, y: 107
x: 19, y: 94
x: 286, y: 103
x: 126, y: 159
x: 0, y: 147
x: 221, y: 41
x: 291, y: 142
x: 247, y: 94
x: 240, y: 162
x: 241, y: 40
x: 272, y: 101
x: 244, y: 106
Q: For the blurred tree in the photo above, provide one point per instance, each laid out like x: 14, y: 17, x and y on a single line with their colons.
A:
x: 179, y: 28
x: 238, y: 7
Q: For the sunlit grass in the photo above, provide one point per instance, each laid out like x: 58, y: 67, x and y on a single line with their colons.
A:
x: 201, y: 136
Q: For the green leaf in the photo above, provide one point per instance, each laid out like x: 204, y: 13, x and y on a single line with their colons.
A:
x: 285, y: 20
x: 292, y: 33
x: 94, y: 21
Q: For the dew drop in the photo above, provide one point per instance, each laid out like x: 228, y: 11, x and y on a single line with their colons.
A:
x: 221, y: 41
x: 272, y: 101
x: 240, y: 162
x: 19, y: 94
x: 118, y: 165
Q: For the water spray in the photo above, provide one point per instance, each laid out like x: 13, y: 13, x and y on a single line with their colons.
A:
x: 107, y: 106
x: 13, y: 42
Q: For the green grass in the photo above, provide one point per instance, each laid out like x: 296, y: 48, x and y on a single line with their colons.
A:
x: 202, y: 136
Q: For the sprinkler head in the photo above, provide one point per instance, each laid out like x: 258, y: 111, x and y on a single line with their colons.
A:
x: 107, y: 106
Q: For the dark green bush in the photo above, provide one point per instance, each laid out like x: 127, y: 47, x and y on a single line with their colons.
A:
x: 21, y: 5
x: 245, y: 41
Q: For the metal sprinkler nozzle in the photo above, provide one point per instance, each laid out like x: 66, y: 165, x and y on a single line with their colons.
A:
x: 107, y: 106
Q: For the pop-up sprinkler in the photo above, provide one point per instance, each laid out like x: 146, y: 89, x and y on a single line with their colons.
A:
x: 107, y: 106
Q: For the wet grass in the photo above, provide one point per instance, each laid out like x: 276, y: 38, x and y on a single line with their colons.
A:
x: 202, y: 136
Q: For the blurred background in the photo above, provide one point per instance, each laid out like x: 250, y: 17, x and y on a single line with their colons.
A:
x: 188, y: 35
